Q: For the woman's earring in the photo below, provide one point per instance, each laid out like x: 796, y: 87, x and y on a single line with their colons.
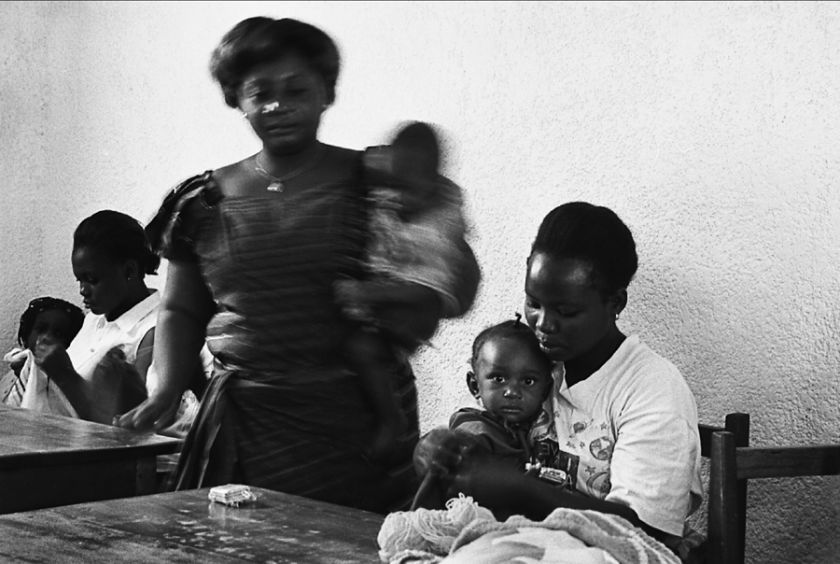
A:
x: 617, y: 315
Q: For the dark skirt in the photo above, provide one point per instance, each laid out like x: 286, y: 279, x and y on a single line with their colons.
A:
x: 280, y: 436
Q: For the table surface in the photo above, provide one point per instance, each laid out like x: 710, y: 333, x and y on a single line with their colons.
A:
x: 29, y: 437
x: 186, y: 527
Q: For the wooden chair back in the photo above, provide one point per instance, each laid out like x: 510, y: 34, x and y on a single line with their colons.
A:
x: 732, y: 465
x: 738, y: 424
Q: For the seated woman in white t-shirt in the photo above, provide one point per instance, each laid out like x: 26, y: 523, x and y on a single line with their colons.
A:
x: 103, y: 371
x: 621, y: 421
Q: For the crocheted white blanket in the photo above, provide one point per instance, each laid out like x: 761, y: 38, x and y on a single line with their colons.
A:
x: 567, y: 535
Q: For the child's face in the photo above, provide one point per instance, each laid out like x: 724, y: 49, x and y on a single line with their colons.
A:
x: 52, y: 323
x: 511, y: 379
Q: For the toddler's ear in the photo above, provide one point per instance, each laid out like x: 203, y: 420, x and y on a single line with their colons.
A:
x: 472, y: 383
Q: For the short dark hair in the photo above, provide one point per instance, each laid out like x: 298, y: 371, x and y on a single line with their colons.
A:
x: 258, y: 40
x: 510, y: 329
x: 118, y: 236
x: 39, y: 305
x: 595, y: 235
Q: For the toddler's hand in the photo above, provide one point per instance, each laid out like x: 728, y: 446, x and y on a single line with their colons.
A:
x: 51, y: 356
x: 17, y: 361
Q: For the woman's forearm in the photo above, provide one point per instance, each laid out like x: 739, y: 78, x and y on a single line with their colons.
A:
x: 78, y: 393
x: 543, y: 498
x: 508, y: 491
x: 185, y: 309
x: 89, y: 402
x: 180, y: 337
x: 104, y: 393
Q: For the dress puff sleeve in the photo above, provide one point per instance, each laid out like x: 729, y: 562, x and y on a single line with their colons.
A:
x: 171, y: 232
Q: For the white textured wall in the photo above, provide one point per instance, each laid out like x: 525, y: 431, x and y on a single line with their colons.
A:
x: 711, y: 128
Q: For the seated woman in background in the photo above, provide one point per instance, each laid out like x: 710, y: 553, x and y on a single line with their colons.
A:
x: 46, y: 317
x: 104, y: 370
x: 621, y: 421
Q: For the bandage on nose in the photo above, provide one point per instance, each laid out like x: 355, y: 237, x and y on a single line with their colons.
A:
x: 270, y: 107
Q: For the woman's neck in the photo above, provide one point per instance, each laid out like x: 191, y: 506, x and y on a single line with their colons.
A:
x: 134, y: 297
x: 280, y: 165
x: 584, y: 366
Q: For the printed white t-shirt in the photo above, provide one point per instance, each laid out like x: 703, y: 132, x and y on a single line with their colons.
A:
x: 628, y: 434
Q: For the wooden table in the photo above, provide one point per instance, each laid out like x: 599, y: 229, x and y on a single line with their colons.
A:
x: 186, y: 527
x: 49, y: 460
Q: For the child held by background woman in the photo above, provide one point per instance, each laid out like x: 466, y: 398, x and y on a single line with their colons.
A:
x: 415, y: 226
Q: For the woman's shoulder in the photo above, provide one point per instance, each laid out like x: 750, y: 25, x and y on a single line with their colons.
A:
x: 201, y: 185
x: 641, y: 370
x: 177, y: 212
x: 637, y: 353
x: 192, y: 185
x: 348, y: 157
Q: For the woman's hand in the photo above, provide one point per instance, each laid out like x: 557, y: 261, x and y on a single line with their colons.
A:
x: 155, y: 413
x: 353, y: 298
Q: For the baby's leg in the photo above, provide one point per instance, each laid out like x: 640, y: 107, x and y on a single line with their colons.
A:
x: 372, y: 356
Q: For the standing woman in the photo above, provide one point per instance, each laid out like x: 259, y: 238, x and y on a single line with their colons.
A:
x: 255, y: 250
x: 621, y: 420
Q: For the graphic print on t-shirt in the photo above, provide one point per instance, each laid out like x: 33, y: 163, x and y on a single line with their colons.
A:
x: 590, y: 444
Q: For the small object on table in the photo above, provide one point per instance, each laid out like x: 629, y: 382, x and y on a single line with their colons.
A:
x: 231, y: 494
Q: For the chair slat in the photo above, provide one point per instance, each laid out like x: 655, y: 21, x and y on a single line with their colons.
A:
x: 787, y: 461
x: 733, y: 465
